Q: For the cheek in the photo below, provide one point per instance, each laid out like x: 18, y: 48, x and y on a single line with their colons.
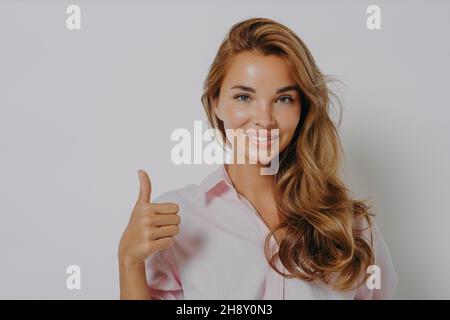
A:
x: 288, y: 121
x: 235, y: 116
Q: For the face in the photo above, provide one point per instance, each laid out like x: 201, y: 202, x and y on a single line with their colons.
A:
x: 261, y: 103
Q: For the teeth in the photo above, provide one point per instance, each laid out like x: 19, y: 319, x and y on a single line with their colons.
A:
x: 261, y: 138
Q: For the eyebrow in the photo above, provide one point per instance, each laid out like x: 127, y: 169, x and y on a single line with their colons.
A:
x: 280, y: 90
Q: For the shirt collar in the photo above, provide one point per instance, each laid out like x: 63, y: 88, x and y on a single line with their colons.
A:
x: 219, y: 175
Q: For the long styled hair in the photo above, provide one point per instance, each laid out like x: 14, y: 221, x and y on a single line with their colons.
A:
x: 321, y: 235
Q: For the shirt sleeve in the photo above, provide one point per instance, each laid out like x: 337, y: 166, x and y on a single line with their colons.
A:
x: 387, y: 273
x: 163, y: 277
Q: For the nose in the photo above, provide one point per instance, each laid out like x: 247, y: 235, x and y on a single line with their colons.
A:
x: 263, y: 115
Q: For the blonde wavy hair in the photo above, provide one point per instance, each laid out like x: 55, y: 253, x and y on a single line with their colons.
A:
x: 321, y: 238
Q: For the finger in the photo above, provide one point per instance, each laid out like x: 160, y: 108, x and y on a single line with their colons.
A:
x: 145, y: 187
x: 163, y: 220
x: 165, y: 231
x: 165, y: 207
x: 163, y: 243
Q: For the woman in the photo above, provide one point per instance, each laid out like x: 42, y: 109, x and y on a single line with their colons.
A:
x: 295, y: 234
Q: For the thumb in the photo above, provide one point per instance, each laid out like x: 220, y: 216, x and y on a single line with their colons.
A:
x: 145, y: 187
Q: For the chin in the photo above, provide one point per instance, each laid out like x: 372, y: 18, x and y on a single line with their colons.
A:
x: 253, y: 158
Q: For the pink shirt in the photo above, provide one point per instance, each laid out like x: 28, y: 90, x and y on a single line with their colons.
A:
x: 219, y: 252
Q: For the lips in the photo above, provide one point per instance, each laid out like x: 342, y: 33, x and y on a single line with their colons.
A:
x: 261, y: 138
x: 262, y: 135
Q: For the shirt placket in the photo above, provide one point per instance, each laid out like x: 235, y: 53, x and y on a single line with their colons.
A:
x: 275, y: 284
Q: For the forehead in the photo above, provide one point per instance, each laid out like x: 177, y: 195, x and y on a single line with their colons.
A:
x: 258, y: 71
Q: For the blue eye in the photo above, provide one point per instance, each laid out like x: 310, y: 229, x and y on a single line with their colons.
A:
x: 245, y: 100
x: 290, y: 100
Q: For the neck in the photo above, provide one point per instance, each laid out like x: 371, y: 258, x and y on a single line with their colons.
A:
x: 249, y: 182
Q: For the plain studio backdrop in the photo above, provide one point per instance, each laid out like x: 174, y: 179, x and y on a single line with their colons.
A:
x: 82, y: 110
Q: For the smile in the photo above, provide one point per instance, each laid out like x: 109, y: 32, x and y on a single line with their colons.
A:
x: 261, y: 140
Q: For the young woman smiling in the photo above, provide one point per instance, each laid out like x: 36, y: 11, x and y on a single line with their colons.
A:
x: 296, y: 234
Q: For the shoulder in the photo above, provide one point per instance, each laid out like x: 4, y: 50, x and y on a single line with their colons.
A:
x: 178, y: 193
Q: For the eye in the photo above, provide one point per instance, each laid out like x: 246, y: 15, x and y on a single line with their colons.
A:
x: 242, y: 98
x: 286, y: 99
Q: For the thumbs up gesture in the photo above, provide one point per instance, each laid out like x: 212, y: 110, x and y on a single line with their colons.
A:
x: 151, y: 227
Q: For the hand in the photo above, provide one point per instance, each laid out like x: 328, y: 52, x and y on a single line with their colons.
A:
x: 151, y: 228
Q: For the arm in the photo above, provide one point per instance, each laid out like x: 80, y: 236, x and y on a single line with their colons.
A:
x: 133, y: 284
x: 151, y: 229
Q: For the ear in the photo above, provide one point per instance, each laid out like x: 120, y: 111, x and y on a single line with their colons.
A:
x: 216, y: 109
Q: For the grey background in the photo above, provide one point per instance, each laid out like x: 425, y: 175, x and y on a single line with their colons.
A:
x: 82, y: 111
